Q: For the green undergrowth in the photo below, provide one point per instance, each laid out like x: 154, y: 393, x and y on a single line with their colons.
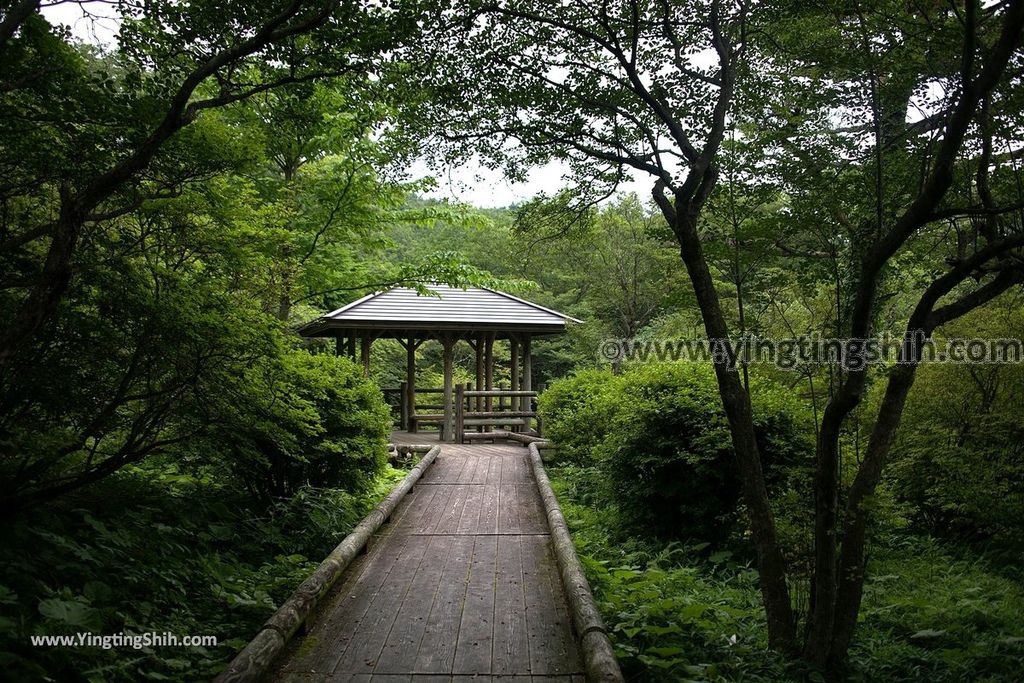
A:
x: 680, y: 612
x: 159, y: 551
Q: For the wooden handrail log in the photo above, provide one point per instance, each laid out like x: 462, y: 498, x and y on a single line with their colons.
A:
x: 255, y: 659
x: 501, y: 413
x: 598, y: 655
x: 490, y: 421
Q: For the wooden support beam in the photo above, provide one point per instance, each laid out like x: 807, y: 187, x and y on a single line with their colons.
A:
x: 403, y: 406
x: 352, y: 345
x: 527, y: 384
x: 479, y: 348
x: 514, y: 370
x: 410, y: 385
x: 488, y: 370
x: 365, y: 353
x: 448, y: 429
x: 339, y: 345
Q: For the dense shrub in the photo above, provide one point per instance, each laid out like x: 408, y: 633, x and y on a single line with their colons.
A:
x: 958, y: 461
x: 154, y: 549
x: 676, y: 613
x: 668, y: 454
x: 306, y: 420
x: 663, y: 445
x: 570, y: 410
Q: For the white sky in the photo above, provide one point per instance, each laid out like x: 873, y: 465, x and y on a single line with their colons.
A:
x: 473, y: 184
x: 91, y: 22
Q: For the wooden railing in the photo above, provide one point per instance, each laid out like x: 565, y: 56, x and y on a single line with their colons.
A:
x: 433, y: 411
x: 476, y: 408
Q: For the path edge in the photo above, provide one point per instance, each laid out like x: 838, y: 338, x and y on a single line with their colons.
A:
x: 255, y: 659
x: 598, y: 655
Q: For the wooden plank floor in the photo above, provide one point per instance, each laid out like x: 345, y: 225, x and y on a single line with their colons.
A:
x: 461, y: 585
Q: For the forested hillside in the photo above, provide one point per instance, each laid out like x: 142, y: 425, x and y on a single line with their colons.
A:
x: 176, y: 202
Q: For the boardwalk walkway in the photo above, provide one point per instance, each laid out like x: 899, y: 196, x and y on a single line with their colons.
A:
x: 461, y: 585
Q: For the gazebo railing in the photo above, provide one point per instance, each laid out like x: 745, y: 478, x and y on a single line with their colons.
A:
x: 475, y: 414
x: 475, y: 408
x: 433, y: 411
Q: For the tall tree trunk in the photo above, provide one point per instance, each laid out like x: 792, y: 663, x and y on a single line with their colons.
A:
x: 850, y: 588
x: 736, y: 402
x: 16, y: 15
x: 52, y: 283
x: 923, y: 322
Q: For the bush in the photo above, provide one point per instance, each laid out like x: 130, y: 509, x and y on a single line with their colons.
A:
x: 570, y: 413
x: 663, y: 444
x: 958, y: 460
x: 151, y: 549
x: 669, y: 452
x: 305, y: 420
x: 676, y: 613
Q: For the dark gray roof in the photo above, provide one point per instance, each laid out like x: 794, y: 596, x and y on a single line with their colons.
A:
x: 402, y: 309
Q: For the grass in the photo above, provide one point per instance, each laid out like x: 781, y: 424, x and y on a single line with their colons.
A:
x: 931, y: 612
x: 154, y: 550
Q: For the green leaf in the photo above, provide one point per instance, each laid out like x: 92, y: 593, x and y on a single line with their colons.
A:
x: 71, y: 612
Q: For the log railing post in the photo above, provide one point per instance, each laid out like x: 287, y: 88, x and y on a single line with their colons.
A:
x: 460, y: 412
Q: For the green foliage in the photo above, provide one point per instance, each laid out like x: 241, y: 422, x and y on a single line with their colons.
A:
x: 958, y: 461
x: 188, y: 556
x: 675, y: 612
x: 571, y: 414
x: 930, y: 615
x: 663, y: 445
x: 304, y: 420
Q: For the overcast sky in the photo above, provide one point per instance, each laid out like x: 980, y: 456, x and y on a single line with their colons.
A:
x: 479, y: 186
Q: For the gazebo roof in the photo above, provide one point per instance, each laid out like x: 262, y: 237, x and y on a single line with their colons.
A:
x: 402, y: 310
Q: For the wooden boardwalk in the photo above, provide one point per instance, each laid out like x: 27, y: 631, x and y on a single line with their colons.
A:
x: 461, y: 585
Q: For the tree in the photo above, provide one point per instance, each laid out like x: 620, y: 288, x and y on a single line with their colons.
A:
x: 653, y: 87
x: 615, y: 263
x: 92, y: 141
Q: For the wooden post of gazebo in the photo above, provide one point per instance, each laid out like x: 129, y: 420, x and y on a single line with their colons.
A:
x: 527, y: 378
x: 448, y: 426
x: 478, y: 346
x: 489, y: 373
x: 365, y: 353
x: 409, y: 395
x: 513, y: 343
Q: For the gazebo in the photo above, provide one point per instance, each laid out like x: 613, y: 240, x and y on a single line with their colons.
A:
x: 476, y: 315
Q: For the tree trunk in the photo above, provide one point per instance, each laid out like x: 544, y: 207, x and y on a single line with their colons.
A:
x: 736, y: 402
x: 44, y: 297
x: 851, y: 570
